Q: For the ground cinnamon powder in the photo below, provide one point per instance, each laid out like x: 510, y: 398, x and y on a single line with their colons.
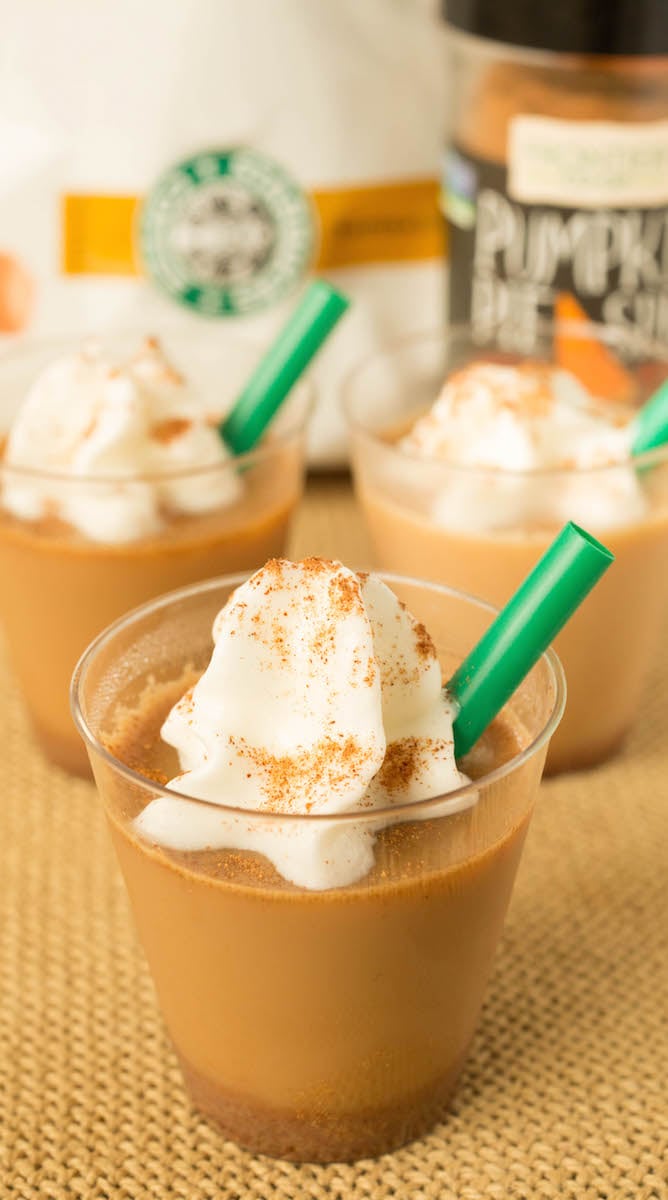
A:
x: 166, y: 431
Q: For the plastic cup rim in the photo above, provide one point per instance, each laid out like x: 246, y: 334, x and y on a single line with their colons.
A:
x: 419, y: 808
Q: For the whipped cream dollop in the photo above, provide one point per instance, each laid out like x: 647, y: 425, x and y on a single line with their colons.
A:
x: 123, y: 436
x: 323, y: 696
x: 520, y: 421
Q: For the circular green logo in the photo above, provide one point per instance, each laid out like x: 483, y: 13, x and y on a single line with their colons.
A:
x: 227, y: 232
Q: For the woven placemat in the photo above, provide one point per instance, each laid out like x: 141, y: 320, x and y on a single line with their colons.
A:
x: 565, y: 1093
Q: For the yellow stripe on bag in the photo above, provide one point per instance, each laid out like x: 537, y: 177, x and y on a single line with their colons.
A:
x: 391, y: 222
x: 388, y: 222
x: 98, y: 235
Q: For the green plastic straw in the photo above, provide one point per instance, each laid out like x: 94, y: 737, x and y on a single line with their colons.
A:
x: 280, y: 368
x: 651, y: 423
x: 515, y: 640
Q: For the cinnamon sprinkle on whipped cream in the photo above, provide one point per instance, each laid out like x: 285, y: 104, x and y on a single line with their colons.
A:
x: 527, y: 446
x: 323, y: 697
x: 118, y: 445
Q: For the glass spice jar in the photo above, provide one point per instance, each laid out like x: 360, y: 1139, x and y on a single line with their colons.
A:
x: 556, y: 179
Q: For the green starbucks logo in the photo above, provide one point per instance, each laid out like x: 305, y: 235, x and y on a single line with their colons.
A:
x: 227, y: 232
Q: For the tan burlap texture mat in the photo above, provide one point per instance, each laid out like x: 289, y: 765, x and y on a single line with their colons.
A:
x: 566, y: 1091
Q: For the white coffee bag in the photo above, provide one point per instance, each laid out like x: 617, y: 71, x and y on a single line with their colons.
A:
x: 168, y: 162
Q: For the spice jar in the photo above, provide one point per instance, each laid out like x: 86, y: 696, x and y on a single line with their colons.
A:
x: 556, y: 182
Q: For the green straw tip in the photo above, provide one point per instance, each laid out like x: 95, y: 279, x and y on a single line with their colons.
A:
x: 586, y: 536
x: 650, y: 426
x: 321, y: 289
x: 513, y: 643
x: 306, y: 330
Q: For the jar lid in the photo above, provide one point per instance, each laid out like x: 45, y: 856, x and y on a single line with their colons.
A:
x: 570, y: 26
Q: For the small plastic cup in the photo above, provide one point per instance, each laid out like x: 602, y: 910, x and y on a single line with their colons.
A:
x: 60, y: 588
x: 609, y: 645
x: 318, y: 1025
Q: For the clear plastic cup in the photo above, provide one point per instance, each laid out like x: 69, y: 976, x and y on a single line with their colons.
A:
x: 317, y: 1025
x: 60, y: 587
x: 424, y: 518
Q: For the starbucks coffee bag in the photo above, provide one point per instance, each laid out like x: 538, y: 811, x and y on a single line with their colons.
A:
x: 192, y: 164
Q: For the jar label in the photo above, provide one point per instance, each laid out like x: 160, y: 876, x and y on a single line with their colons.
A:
x: 510, y: 258
x: 587, y: 164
